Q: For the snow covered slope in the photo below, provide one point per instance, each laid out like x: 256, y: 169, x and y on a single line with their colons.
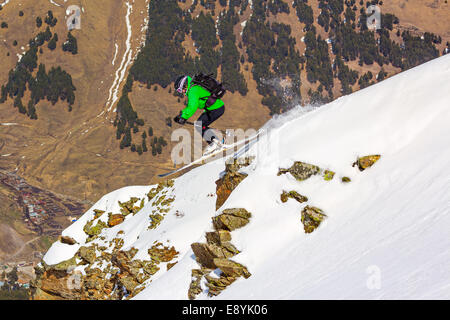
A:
x: 386, y: 235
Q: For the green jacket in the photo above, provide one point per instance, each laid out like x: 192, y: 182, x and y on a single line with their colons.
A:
x: 195, y: 94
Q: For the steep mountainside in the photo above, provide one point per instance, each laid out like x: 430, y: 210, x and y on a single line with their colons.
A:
x: 349, y: 200
x: 87, y: 112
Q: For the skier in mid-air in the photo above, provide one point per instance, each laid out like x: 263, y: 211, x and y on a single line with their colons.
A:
x: 202, y: 92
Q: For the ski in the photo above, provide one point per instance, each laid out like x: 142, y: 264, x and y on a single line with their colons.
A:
x: 214, y: 153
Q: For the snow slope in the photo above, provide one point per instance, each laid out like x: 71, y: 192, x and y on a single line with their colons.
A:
x: 387, y: 231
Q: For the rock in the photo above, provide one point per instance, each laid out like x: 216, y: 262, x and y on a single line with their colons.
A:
x: 129, y: 207
x: 94, y: 231
x: 218, y: 237
x: 195, y: 287
x: 68, y: 240
x: 231, y: 268
x: 164, y: 254
x: 64, y: 265
x: 217, y: 285
x: 328, y: 175
x: 301, y: 171
x: 230, y: 180
x: 56, y: 285
x: 170, y: 265
x: 154, y: 191
x: 115, y: 219
x: 98, y: 213
x: 203, y: 254
x: 366, y: 162
x: 155, y: 220
x: 129, y: 283
x: 231, y: 219
x: 87, y: 254
x: 311, y: 218
x: 294, y: 195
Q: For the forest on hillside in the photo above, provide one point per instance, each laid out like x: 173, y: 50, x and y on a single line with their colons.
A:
x: 268, y: 47
x: 54, y: 85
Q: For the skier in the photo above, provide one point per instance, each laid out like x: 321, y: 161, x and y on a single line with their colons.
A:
x: 201, y: 98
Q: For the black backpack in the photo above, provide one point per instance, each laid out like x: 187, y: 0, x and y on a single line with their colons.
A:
x: 212, y: 85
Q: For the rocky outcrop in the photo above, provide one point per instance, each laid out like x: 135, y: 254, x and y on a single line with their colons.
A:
x: 230, y: 179
x: 215, y: 253
x: 311, y: 218
x: 122, y: 277
x: 108, y: 274
x: 365, y: 162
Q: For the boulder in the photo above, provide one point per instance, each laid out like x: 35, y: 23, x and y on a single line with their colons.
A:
x: 294, y: 195
x: 195, y: 287
x: 64, y: 265
x: 230, y: 180
x: 366, y: 162
x: 217, y: 285
x: 231, y: 219
x: 56, y: 285
x: 115, y: 219
x: 301, y: 170
x: 68, y: 240
x: 311, y: 218
x: 218, y: 237
x: 328, y: 175
x: 98, y: 213
x: 87, y: 254
x: 231, y: 268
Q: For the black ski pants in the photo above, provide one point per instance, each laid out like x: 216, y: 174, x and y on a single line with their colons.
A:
x: 206, y: 119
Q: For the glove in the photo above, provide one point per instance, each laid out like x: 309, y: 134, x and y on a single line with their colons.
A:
x: 179, y: 119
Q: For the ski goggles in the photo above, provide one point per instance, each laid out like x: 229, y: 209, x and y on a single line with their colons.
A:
x: 181, y: 85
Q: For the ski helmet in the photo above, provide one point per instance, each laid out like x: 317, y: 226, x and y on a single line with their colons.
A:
x: 180, y: 83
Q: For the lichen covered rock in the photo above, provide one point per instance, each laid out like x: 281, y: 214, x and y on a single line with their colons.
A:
x: 231, y: 268
x: 294, y: 195
x: 129, y: 206
x: 87, y: 254
x: 115, y: 219
x: 311, y: 218
x: 328, y: 175
x: 230, y: 179
x: 94, y: 230
x: 301, y: 170
x: 366, y: 162
x: 231, y: 219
